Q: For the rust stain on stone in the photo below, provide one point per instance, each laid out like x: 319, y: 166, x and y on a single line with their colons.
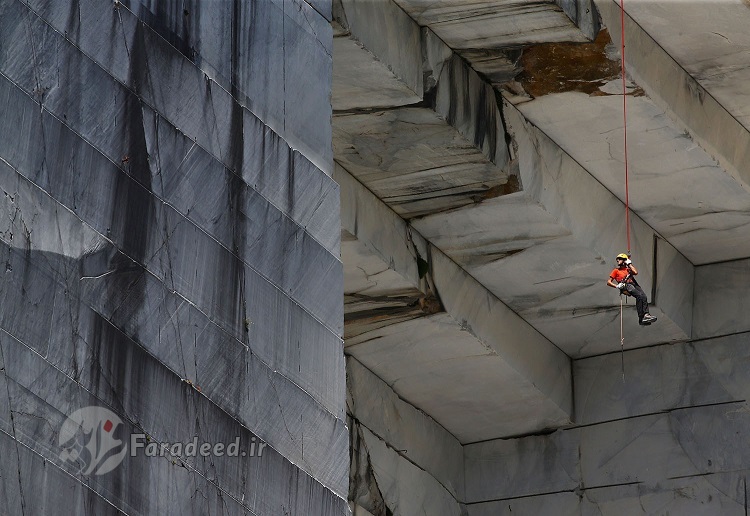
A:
x: 560, y: 67
x: 511, y: 186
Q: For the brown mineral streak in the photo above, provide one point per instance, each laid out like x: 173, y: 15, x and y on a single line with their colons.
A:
x: 560, y: 67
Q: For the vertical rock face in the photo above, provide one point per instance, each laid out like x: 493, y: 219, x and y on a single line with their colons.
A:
x: 171, y: 262
x: 481, y: 148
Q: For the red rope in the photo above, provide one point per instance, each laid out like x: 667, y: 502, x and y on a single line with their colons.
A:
x: 625, y: 121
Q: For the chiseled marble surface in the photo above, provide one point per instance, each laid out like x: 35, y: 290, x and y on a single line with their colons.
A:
x: 377, y: 56
x: 692, y: 69
x: 442, y: 368
x: 497, y: 228
x: 643, y: 452
x: 708, y: 221
x: 662, y: 378
x: 94, y: 197
x: 322, y: 6
x: 650, y: 448
x: 103, y: 367
x: 714, y: 54
x: 668, y: 438
x: 547, y: 252
x: 285, y: 36
x: 161, y: 244
x: 99, y: 282
x: 493, y: 24
x: 413, y: 160
x: 405, y: 488
x: 179, y: 112
x: 511, y: 468
x: 374, y: 294
x: 406, y: 428
x: 361, y: 80
x: 482, y: 32
x: 706, y: 495
x: 559, y: 504
x: 702, y: 495
x: 530, y: 373
x: 447, y: 152
x: 119, y: 129
x: 721, y: 302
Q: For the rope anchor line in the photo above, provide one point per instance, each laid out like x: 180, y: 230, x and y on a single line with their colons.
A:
x: 627, y: 185
x: 625, y: 122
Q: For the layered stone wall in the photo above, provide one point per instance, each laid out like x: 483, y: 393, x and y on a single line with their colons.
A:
x: 402, y: 461
x: 669, y: 439
x: 171, y: 240
x: 483, y: 204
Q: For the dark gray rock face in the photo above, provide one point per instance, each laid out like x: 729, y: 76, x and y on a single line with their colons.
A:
x: 167, y: 255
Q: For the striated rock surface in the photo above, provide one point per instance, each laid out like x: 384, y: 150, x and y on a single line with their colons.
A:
x: 171, y: 243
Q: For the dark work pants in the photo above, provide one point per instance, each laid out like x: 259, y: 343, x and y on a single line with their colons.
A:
x: 641, y: 301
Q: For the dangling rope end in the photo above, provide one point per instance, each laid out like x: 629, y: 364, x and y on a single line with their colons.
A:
x: 622, y: 344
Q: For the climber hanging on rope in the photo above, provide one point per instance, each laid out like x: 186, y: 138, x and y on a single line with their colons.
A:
x: 623, y: 279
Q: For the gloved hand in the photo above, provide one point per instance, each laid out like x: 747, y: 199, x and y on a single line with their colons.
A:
x: 621, y: 285
x: 628, y: 262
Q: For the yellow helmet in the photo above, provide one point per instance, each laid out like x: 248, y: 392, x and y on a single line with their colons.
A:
x: 621, y: 256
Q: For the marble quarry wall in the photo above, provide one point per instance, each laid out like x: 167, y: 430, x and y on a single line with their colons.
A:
x: 189, y: 187
x: 170, y: 248
x: 669, y: 439
x: 479, y: 149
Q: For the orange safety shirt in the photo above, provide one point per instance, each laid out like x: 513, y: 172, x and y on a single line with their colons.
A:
x: 619, y: 275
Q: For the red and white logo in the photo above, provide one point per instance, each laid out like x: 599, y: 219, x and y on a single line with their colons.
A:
x: 88, y: 439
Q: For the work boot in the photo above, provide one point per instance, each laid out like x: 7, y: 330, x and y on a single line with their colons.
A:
x: 648, y: 319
